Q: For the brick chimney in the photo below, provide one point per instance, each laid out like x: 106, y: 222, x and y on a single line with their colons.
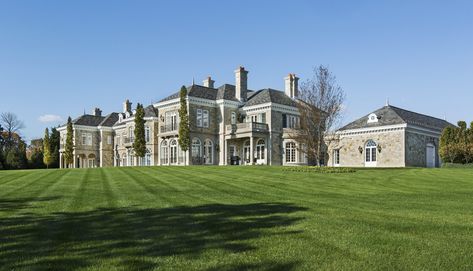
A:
x: 97, y: 112
x: 291, y: 85
x: 126, y: 106
x: 209, y: 82
x: 241, y: 84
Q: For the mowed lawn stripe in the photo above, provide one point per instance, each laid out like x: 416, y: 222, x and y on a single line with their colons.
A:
x: 10, y: 176
x: 41, y: 177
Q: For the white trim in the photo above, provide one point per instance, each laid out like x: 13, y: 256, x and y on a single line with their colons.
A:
x: 387, y: 128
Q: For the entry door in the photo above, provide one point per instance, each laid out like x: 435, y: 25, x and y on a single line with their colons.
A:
x: 430, y: 156
x: 246, y: 154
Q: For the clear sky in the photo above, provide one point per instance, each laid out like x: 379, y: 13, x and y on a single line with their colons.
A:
x: 58, y: 58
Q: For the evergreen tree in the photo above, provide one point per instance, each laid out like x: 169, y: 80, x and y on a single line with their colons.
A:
x: 139, y: 145
x: 46, y: 149
x: 184, y: 133
x: 447, y: 148
x: 69, y: 148
x: 1, y: 147
x: 36, y: 159
x: 469, y: 144
x: 54, y: 146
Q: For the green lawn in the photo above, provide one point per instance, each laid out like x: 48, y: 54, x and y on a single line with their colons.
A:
x: 232, y: 218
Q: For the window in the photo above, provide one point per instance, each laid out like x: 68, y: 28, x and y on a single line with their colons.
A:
x: 233, y: 117
x: 195, y: 151
x: 109, y: 140
x: 208, y: 151
x: 372, y: 118
x: 84, y: 139
x: 336, y: 157
x: 173, y: 152
x: 370, y: 151
x: 290, y: 152
x: 205, y: 118
x: 131, y: 134
x: 89, y: 139
x: 164, y: 152
x: 147, y: 134
x: 199, y: 118
x: 262, y: 117
x: 293, y: 122
x: 260, y: 149
x: 170, y: 121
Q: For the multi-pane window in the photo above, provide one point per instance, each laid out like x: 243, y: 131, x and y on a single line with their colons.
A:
x: 370, y: 151
x: 147, y: 134
x: 196, y: 145
x: 131, y: 134
x: 87, y: 139
x: 164, y: 152
x: 262, y: 117
x: 148, y: 159
x: 290, y: 121
x: 205, y: 118
x: 290, y: 152
x: 202, y: 118
x: 336, y: 157
x: 199, y: 118
x: 173, y: 151
x: 260, y: 146
x: 109, y: 140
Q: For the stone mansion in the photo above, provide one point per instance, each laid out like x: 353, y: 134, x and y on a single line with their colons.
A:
x: 229, y: 125
x: 233, y: 125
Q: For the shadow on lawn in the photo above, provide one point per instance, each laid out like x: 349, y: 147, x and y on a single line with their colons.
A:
x: 133, y: 236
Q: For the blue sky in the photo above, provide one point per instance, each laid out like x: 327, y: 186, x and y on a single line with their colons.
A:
x: 58, y: 58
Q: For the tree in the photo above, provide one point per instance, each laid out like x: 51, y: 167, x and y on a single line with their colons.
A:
x: 12, y: 125
x: 1, y: 147
x: 184, y: 133
x: 46, y: 149
x: 36, y: 159
x: 54, y: 144
x: 139, y: 145
x: 69, y: 148
x: 469, y: 144
x: 320, y: 103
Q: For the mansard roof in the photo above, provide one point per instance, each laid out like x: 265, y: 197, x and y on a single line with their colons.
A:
x: 391, y: 115
x: 269, y: 95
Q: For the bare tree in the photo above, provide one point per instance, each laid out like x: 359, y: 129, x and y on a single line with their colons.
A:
x: 320, y: 103
x: 11, y: 125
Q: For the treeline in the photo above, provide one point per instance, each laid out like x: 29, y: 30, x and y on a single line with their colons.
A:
x: 16, y: 154
x: 456, y: 144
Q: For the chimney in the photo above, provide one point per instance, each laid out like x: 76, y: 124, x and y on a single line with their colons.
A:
x: 126, y: 106
x: 209, y: 82
x: 291, y: 85
x: 97, y: 112
x: 241, y: 84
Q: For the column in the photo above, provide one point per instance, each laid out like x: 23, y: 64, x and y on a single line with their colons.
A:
x: 225, y: 154
x: 252, y: 154
x: 60, y: 161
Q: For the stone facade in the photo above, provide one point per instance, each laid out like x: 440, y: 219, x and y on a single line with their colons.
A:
x: 229, y: 125
x: 387, y: 137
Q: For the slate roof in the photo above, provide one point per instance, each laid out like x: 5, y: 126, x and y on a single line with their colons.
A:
x: 270, y: 95
x: 227, y: 92
x: 109, y: 120
x: 150, y: 111
x: 88, y: 120
x: 391, y: 115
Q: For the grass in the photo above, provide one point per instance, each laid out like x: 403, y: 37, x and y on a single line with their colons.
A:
x: 236, y: 218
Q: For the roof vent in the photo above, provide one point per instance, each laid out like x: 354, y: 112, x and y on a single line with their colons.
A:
x: 372, y: 118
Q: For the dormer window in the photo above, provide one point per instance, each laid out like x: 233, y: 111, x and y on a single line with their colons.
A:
x: 372, y: 118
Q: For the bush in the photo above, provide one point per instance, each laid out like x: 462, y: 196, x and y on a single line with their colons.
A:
x: 316, y: 169
x: 456, y: 165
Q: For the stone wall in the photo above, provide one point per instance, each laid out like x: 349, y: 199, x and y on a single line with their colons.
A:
x: 391, y: 155
x: 416, y: 145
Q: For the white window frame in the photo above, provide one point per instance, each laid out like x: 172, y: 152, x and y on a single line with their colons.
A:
x: 371, y: 157
x: 199, y: 117
x: 205, y: 118
x: 290, y: 150
x: 336, y: 157
x: 147, y: 134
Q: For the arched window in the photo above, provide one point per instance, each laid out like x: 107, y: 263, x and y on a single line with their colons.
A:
x: 164, y: 152
x: 196, y: 147
x: 260, y: 149
x: 290, y: 152
x: 173, y: 151
x: 208, y: 151
x: 370, y: 151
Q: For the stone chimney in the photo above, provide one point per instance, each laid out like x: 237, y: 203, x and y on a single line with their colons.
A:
x: 209, y: 82
x: 291, y: 85
x: 126, y: 106
x: 241, y: 84
x: 97, y: 112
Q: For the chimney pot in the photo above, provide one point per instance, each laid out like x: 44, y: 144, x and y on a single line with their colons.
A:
x: 209, y: 82
x: 97, y: 112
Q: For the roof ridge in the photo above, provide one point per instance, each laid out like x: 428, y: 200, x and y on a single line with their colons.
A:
x: 396, y: 107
